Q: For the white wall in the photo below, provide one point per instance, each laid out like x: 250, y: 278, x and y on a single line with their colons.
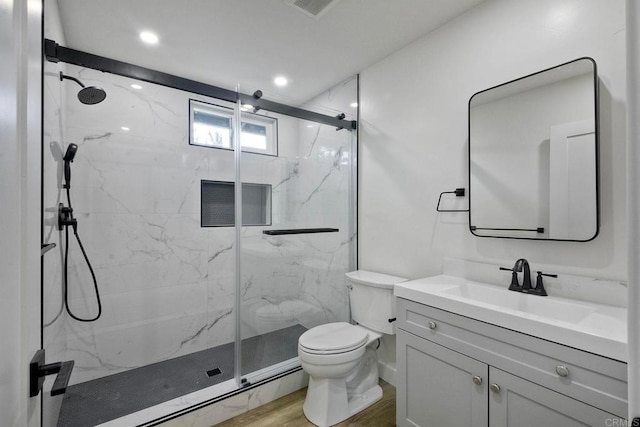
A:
x: 20, y: 102
x: 633, y: 157
x: 413, y: 140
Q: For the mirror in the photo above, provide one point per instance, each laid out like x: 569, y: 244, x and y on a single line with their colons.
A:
x: 533, y: 163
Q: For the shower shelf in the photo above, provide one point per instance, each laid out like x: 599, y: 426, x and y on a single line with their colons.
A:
x: 300, y: 231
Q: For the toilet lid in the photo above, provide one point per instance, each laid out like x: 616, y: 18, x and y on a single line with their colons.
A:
x: 336, y: 337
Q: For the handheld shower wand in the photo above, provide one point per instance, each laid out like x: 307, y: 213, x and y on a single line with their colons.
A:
x: 65, y: 214
x: 66, y: 220
x: 68, y: 159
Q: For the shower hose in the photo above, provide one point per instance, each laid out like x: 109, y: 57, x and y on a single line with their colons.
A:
x: 66, y: 271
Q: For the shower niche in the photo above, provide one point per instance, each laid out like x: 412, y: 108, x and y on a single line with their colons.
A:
x: 218, y: 204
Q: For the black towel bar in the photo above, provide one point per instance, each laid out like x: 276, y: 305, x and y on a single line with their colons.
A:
x: 537, y: 230
x: 299, y: 231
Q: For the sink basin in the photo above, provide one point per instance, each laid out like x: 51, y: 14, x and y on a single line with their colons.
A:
x: 593, y: 327
x: 564, y: 311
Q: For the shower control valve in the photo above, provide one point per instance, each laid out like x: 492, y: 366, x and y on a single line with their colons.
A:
x: 65, y: 217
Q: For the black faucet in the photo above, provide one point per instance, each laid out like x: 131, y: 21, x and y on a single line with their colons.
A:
x: 522, y: 265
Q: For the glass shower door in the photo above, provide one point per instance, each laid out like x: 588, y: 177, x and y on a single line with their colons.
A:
x: 296, y: 236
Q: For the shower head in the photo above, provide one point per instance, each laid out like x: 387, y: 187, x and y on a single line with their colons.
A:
x: 70, y: 153
x: 88, y: 95
x: 91, y: 95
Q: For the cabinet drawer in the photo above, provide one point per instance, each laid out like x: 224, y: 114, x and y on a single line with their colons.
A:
x: 592, y: 379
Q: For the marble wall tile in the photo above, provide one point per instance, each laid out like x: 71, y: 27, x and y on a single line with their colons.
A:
x: 221, y: 284
x: 101, y: 352
x: 338, y: 99
x: 138, y: 306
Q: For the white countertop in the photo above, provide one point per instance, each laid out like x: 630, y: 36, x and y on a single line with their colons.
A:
x: 596, y: 328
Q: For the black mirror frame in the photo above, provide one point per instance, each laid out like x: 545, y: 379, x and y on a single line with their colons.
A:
x: 597, y: 154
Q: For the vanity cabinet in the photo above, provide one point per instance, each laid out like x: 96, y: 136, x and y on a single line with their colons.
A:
x: 457, y: 371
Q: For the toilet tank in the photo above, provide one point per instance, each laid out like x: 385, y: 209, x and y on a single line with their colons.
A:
x: 371, y: 299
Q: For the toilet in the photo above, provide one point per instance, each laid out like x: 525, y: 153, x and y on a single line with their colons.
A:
x: 341, y: 358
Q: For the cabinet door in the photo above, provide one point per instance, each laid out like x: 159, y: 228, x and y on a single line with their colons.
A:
x: 436, y: 386
x: 516, y: 402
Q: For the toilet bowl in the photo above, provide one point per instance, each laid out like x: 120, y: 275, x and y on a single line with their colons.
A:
x: 341, y: 359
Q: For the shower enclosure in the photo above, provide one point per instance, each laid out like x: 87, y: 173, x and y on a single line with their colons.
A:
x: 218, y: 233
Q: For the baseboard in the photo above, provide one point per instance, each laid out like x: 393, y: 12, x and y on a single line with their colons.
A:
x: 387, y: 372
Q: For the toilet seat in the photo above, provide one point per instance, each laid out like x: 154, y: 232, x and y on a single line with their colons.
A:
x: 333, y: 338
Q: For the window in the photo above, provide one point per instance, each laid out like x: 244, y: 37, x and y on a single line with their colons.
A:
x: 210, y: 126
x: 217, y: 204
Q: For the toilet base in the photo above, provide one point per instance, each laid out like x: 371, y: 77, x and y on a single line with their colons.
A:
x: 326, y: 403
x: 364, y: 400
x: 347, y: 392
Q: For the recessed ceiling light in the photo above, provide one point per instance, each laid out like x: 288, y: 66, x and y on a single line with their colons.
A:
x: 354, y: 104
x: 309, y: 126
x: 124, y: 128
x: 135, y: 86
x: 149, y: 37
x: 280, y: 81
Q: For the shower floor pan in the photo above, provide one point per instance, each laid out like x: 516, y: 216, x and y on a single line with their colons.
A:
x: 111, y: 397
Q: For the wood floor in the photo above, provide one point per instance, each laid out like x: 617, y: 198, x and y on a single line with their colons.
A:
x: 287, y: 412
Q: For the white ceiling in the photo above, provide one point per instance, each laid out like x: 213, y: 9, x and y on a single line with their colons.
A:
x: 249, y: 42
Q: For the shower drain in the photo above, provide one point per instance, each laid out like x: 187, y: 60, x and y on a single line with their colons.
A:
x: 214, y: 372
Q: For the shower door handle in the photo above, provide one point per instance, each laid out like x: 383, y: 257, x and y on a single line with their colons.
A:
x: 38, y: 370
